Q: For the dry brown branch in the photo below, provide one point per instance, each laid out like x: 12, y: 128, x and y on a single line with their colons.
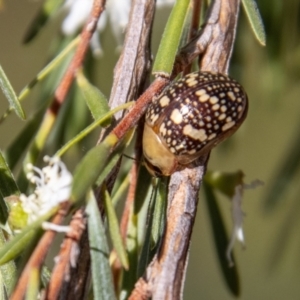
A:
x: 132, y: 118
x: 164, y: 277
x: 131, y: 73
x: 129, y: 200
x: 38, y: 256
x: 67, y: 256
x: 130, y: 78
x: 196, y: 12
x: 117, y: 267
x: 78, y: 285
x: 86, y: 35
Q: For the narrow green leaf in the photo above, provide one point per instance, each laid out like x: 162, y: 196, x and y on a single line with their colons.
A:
x: 114, y: 230
x: 121, y: 191
x: 171, y: 38
x: 101, y: 273
x: 130, y: 276
x: 3, y: 294
x: 143, y: 185
x: 16, y: 150
x: 91, y: 166
x: 91, y: 127
x: 221, y: 240
x: 14, y: 248
x: 159, y: 216
x: 49, y: 8
x: 8, y: 270
x: 33, y: 285
x: 18, y: 243
x: 95, y: 100
x: 49, y: 67
x: 115, y: 157
x: 255, y: 20
x: 73, y: 118
x: 8, y: 187
x: 110, y: 163
x: 136, y: 233
x: 145, y: 252
x: 10, y: 95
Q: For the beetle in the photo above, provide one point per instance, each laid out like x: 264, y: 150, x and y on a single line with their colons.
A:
x: 189, y: 118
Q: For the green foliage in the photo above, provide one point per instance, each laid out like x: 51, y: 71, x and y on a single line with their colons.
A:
x: 101, y: 273
x: 171, y: 38
x: 221, y: 241
x: 113, y: 226
x: 255, y: 20
x: 73, y: 134
x: 94, y: 99
x: 12, y: 249
x: 10, y: 95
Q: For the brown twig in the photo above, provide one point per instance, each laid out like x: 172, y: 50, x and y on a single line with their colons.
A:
x: 165, y: 275
x: 132, y: 118
x: 131, y: 74
x: 117, y: 267
x: 129, y: 200
x: 130, y: 79
x: 38, y: 256
x: 86, y: 35
x: 195, y: 20
x: 67, y: 256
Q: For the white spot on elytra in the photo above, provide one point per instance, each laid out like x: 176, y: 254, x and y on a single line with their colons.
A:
x: 162, y: 129
x: 222, y: 117
x: 216, y: 107
x: 196, y: 134
x: 176, y: 116
x: 153, y: 118
x: 192, y: 151
x: 213, y: 135
x: 164, y: 101
x: 231, y: 96
x: 204, y: 98
x: 213, y: 99
x: 200, y: 92
x: 191, y: 82
x: 223, y: 108
x: 228, y: 126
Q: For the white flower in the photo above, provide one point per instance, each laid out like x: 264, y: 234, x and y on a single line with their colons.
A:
x: 53, y: 186
x: 117, y: 11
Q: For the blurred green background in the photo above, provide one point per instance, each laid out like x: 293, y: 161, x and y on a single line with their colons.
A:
x: 266, y: 147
